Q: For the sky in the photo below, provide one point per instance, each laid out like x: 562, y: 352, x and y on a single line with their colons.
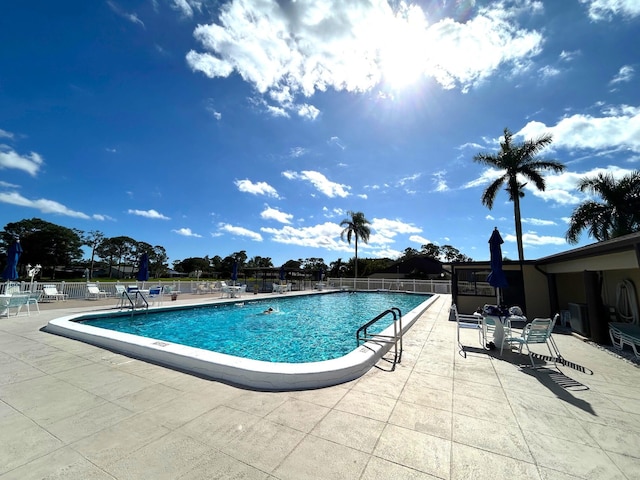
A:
x: 210, y: 127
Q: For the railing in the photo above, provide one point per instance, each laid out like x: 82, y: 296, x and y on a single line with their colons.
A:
x: 76, y: 290
x: 395, y: 339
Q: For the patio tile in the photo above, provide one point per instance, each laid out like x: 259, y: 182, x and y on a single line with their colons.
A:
x: 117, y: 441
x: 259, y: 403
x: 166, y: 458
x: 498, y: 411
x: 64, y: 463
x: 367, y: 405
x: 378, y: 468
x: 325, y: 397
x: 416, y: 450
x: 16, y: 371
x: 559, y: 426
x: 351, y: 430
x: 572, y: 458
x: 147, y: 398
x: 85, y: 423
x: 616, y: 440
x: 479, y: 390
x: 22, y: 441
x: 488, y: 435
x: 298, y: 414
x: 263, y: 444
x: 47, y: 399
x: 416, y: 392
x: 317, y: 458
x: 423, y: 419
x: 473, y: 463
x: 218, y: 426
x: 215, y: 465
x: 629, y: 465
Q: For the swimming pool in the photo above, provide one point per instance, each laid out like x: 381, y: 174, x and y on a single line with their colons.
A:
x: 260, y: 374
x: 311, y: 328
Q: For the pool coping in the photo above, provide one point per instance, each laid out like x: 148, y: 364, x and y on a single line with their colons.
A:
x: 255, y: 374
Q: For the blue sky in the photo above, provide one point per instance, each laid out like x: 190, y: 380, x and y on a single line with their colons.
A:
x: 210, y: 127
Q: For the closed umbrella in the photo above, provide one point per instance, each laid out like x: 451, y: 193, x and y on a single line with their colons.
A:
x: 143, y: 268
x: 496, y: 278
x: 13, y: 255
x: 283, y: 274
x: 234, y: 272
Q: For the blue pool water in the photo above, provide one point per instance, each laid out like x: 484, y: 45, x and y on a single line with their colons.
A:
x: 308, y: 328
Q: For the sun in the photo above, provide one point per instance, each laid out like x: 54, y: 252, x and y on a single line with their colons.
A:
x: 402, y: 49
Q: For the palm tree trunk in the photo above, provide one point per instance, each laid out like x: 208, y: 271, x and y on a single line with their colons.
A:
x: 356, y: 275
x: 518, y: 220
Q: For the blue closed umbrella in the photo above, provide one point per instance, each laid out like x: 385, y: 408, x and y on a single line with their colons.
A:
x: 283, y: 274
x: 143, y: 268
x: 234, y: 272
x: 320, y: 275
x: 13, y: 255
x: 496, y: 278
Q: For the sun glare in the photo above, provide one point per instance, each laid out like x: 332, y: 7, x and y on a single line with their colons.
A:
x: 400, y: 54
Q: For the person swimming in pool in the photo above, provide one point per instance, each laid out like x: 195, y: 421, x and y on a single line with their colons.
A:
x: 268, y: 311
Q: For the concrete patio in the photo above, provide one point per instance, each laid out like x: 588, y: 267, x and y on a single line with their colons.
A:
x: 70, y: 410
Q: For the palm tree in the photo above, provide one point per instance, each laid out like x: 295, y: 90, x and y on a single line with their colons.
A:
x: 357, y: 227
x: 617, y: 214
x: 516, y: 161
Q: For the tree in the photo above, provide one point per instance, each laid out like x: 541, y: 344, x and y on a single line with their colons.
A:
x: 356, y: 227
x: 45, y: 243
x: 618, y: 212
x: 431, y: 250
x: 92, y: 240
x: 116, y: 251
x: 517, y: 161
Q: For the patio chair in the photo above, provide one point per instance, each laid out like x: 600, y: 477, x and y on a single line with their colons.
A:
x: 94, y: 292
x: 538, y: 332
x: 34, y: 298
x: 121, y: 295
x: 51, y: 292
x: 466, y: 322
x: 16, y: 301
x: 156, y: 295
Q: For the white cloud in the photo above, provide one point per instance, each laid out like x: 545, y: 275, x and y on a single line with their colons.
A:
x: 44, y: 205
x: 419, y: 239
x: 538, y: 222
x: 617, y: 128
x: 259, y: 188
x: 625, y: 74
x: 274, y: 214
x: 148, y: 214
x: 186, y: 232
x: 240, y: 232
x: 337, y: 142
x: 308, y: 111
x: 440, y: 181
x: 549, y: 72
x: 304, y: 47
x: 296, y: 152
x: 132, y: 17
x: 607, y: 9
x: 30, y: 163
x: 383, y: 230
x: 325, y: 236
x: 532, y: 239
x: 186, y: 7
x: 322, y: 183
x: 5, y: 134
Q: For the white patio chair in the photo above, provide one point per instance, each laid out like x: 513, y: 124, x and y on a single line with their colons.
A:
x: 538, y: 332
x: 466, y: 322
x: 15, y: 301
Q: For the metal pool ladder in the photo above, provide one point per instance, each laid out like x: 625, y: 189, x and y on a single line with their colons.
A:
x: 395, y: 339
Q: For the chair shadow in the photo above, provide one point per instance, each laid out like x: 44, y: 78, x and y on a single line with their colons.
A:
x: 549, y: 375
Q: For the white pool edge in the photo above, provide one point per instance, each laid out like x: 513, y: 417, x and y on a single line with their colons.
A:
x: 244, y: 372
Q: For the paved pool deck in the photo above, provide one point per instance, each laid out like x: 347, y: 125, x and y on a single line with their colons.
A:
x: 70, y: 410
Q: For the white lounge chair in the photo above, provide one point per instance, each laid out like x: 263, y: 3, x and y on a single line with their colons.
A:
x: 94, y: 292
x: 51, y: 292
x: 34, y: 298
